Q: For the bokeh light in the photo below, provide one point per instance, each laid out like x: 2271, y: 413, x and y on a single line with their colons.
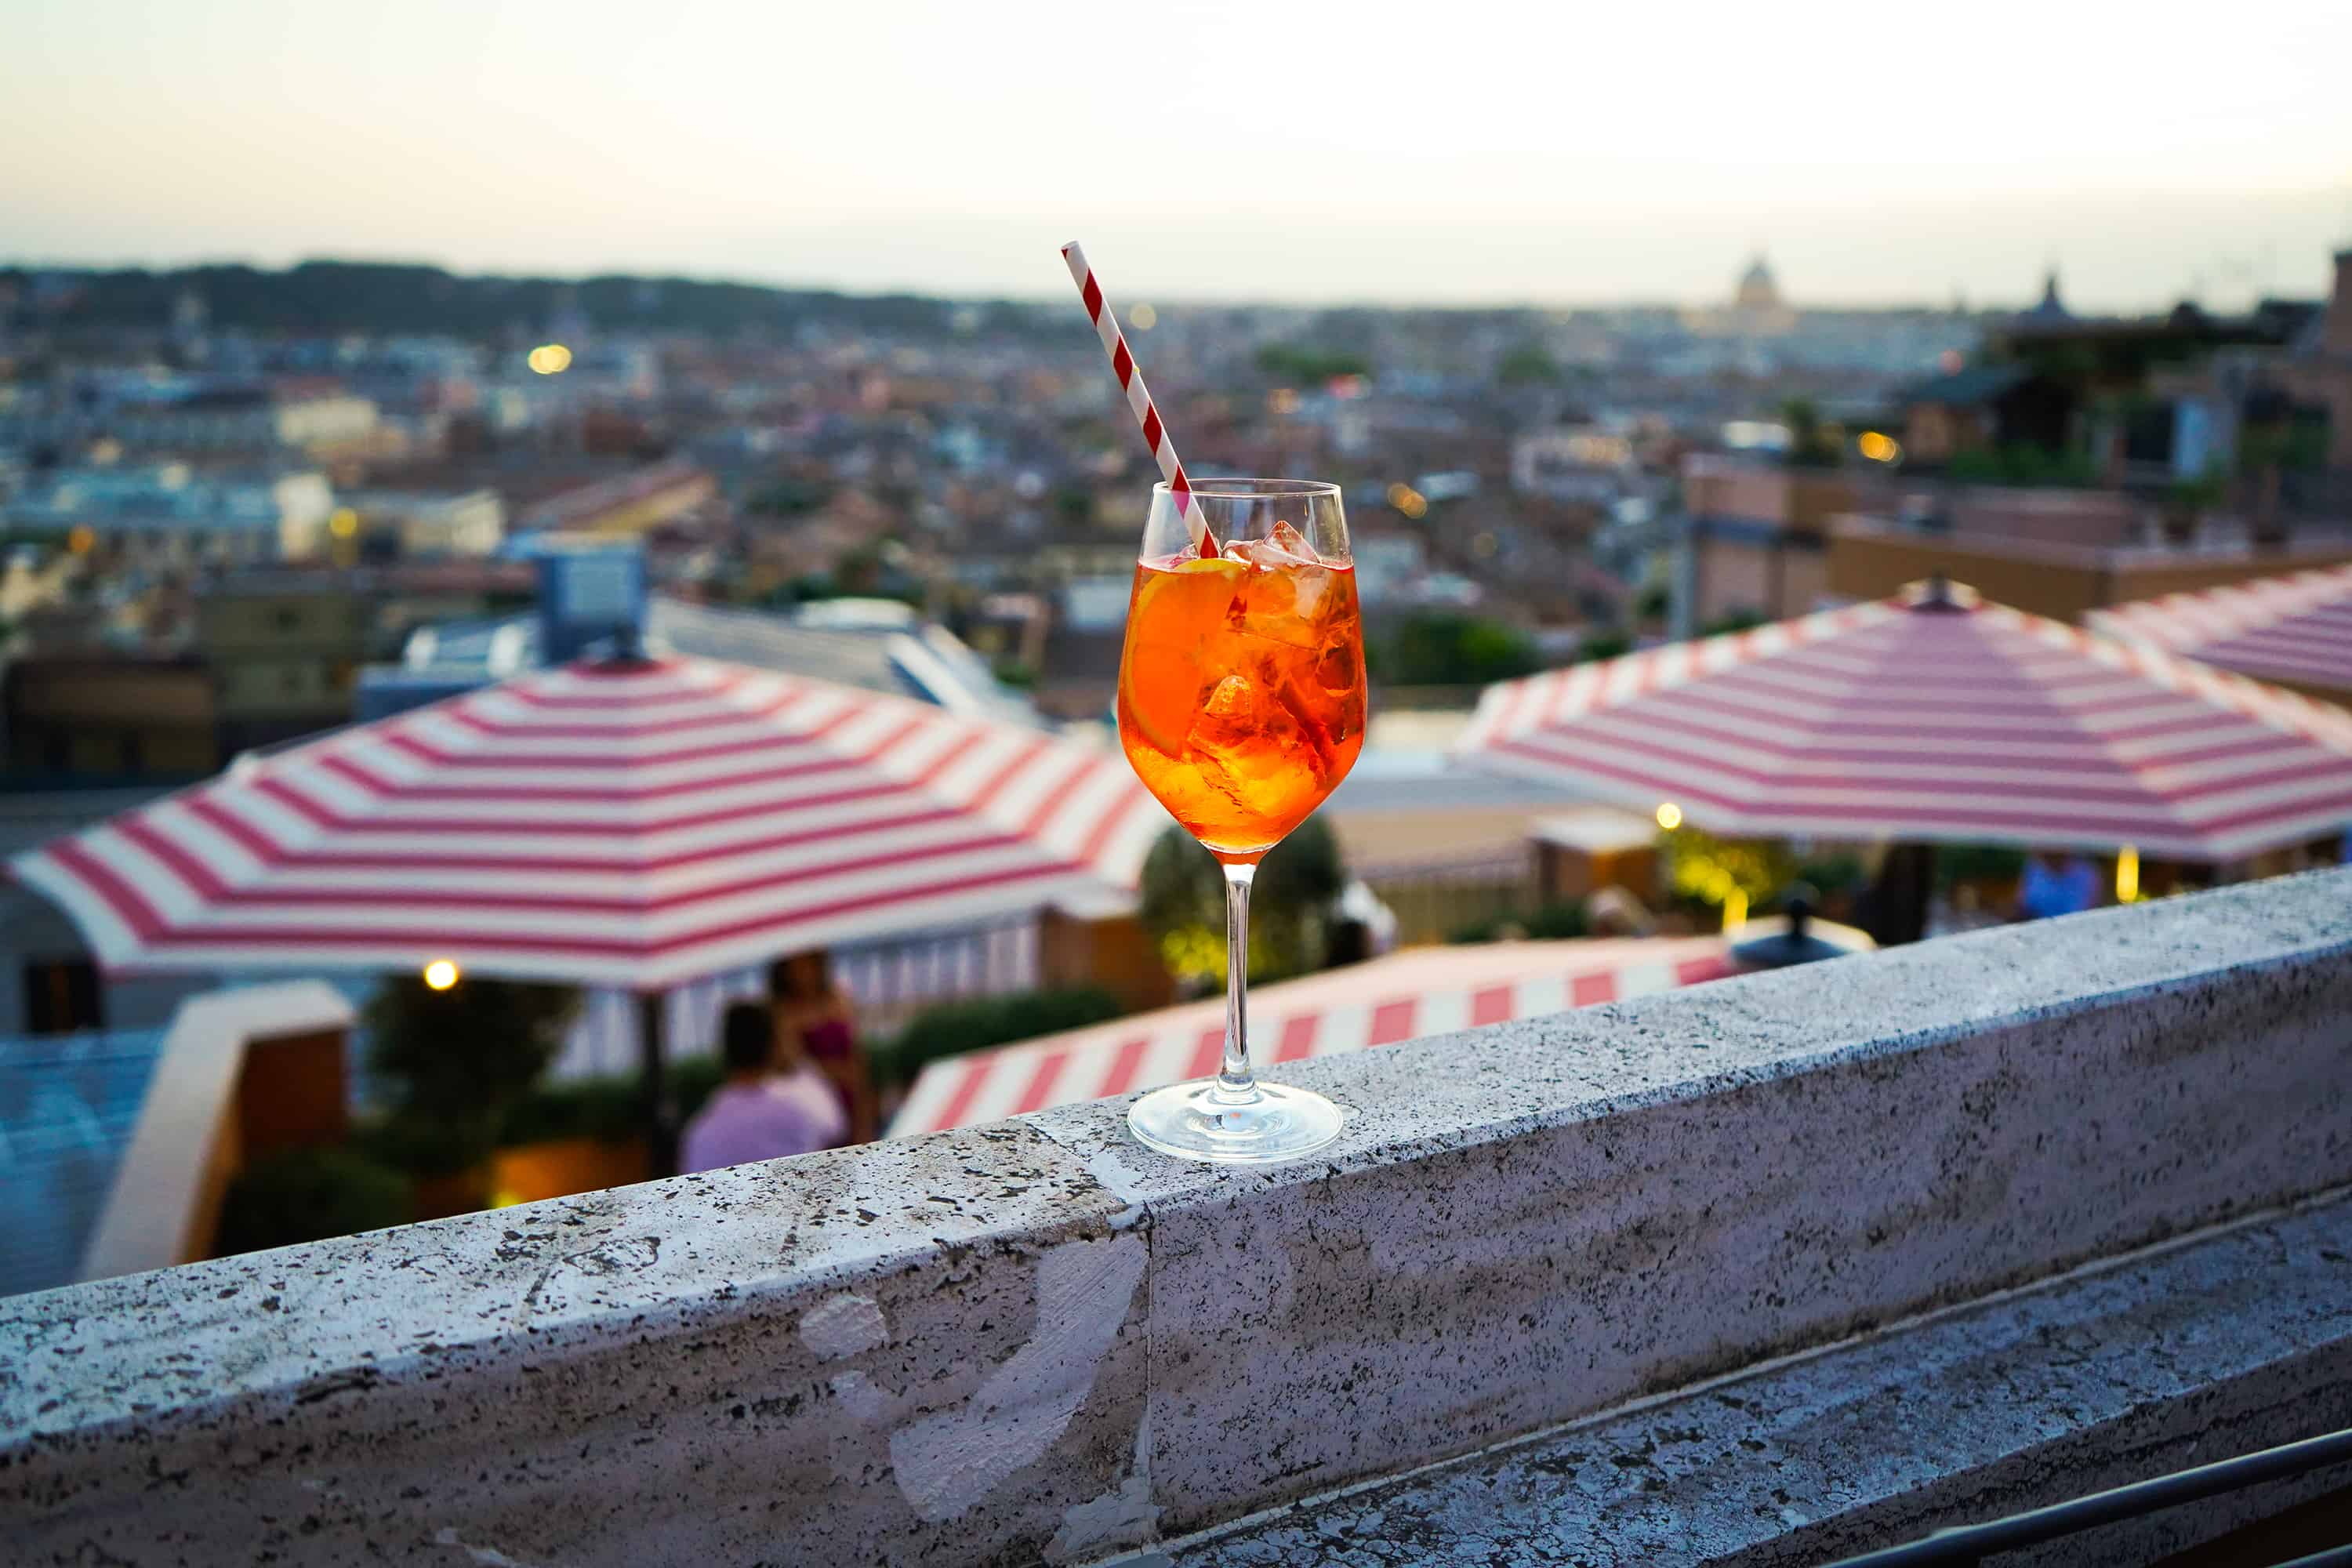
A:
x: 1670, y: 815
x: 550, y: 358
x: 440, y: 974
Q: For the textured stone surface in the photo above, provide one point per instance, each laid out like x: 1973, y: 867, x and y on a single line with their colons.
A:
x: 1531, y: 1222
x: 1039, y: 1338
x: 919, y: 1354
x: 2233, y: 1343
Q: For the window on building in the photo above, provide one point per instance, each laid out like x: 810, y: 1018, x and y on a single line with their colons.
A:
x: 62, y: 995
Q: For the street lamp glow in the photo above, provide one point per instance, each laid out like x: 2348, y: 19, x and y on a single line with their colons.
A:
x: 440, y: 974
x: 1670, y: 815
x: 550, y: 358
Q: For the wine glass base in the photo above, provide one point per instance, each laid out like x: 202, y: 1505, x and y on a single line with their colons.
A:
x: 1198, y: 1121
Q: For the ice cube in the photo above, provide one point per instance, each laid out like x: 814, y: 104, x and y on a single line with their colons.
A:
x: 1253, y: 731
x: 1284, y: 546
x: 1229, y: 717
x: 1222, y: 737
x: 1336, y: 668
x: 1293, y: 544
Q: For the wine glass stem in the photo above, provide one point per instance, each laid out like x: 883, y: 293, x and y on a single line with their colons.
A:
x: 1236, y: 1083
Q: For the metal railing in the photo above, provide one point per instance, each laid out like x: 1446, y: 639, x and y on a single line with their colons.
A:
x: 1964, y: 1546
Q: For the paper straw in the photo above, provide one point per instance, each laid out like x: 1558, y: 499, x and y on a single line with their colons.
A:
x: 1130, y: 381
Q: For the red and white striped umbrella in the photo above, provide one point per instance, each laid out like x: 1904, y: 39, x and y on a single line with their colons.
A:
x: 2296, y: 628
x: 623, y: 825
x: 1425, y: 991
x: 1928, y: 718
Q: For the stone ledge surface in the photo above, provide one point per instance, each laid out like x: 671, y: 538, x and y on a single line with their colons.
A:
x: 2226, y: 1343
x: 1038, y: 1339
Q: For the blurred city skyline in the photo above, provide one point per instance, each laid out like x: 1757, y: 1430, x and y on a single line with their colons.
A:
x: 1207, y: 152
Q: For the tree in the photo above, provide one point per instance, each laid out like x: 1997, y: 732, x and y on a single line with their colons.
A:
x: 1184, y: 905
x: 1446, y: 648
x: 1073, y: 506
x: 309, y: 1195
x: 1732, y: 872
x: 1307, y: 365
x: 1604, y: 645
x: 1528, y: 364
x: 458, y: 1060
x: 1812, y: 444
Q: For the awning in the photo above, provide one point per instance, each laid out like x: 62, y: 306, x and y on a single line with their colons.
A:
x: 1424, y: 991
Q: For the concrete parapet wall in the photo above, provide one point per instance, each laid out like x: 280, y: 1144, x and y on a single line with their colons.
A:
x: 1037, y: 1340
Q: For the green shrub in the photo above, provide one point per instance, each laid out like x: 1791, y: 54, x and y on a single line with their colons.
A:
x: 2023, y: 463
x: 1183, y: 904
x: 1558, y: 922
x: 1957, y: 863
x: 608, y: 1107
x: 1830, y: 874
x: 603, y: 1108
x: 953, y: 1027
x: 1604, y: 645
x: 1733, y: 621
x: 694, y: 1080
x: 456, y: 1060
x: 310, y: 1194
x: 1446, y: 648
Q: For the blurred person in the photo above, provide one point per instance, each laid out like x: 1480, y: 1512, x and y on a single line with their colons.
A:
x: 812, y: 1013
x: 2056, y: 885
x: 773, y: 1104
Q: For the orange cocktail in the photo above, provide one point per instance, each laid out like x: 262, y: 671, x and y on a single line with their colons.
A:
x: 1241, y: 689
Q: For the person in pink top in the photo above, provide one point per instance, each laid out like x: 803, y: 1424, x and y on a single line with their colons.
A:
x: 759, y: 1113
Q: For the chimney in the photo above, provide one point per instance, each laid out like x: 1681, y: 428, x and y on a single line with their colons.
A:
x: 2336, y: 338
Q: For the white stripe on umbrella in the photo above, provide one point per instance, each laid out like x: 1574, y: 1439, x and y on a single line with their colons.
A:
x: 629, y: 829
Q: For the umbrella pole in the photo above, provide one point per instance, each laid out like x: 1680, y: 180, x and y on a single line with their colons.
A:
x: 657, y: 1109
x: 1898, y: 899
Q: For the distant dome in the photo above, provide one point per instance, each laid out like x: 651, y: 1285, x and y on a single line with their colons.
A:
x: 2050, y: 309
x: 1757, y: 291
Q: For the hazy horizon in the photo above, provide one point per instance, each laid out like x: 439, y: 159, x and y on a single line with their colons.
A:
x: 1879, y: 160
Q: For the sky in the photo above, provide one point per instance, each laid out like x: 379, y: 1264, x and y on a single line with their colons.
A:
x: 1444, y: 152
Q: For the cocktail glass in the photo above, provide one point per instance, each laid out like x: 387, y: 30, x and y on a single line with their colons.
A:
x: 1240, y: 705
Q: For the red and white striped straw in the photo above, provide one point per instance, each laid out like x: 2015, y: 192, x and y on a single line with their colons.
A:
x: 1130, y: 381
